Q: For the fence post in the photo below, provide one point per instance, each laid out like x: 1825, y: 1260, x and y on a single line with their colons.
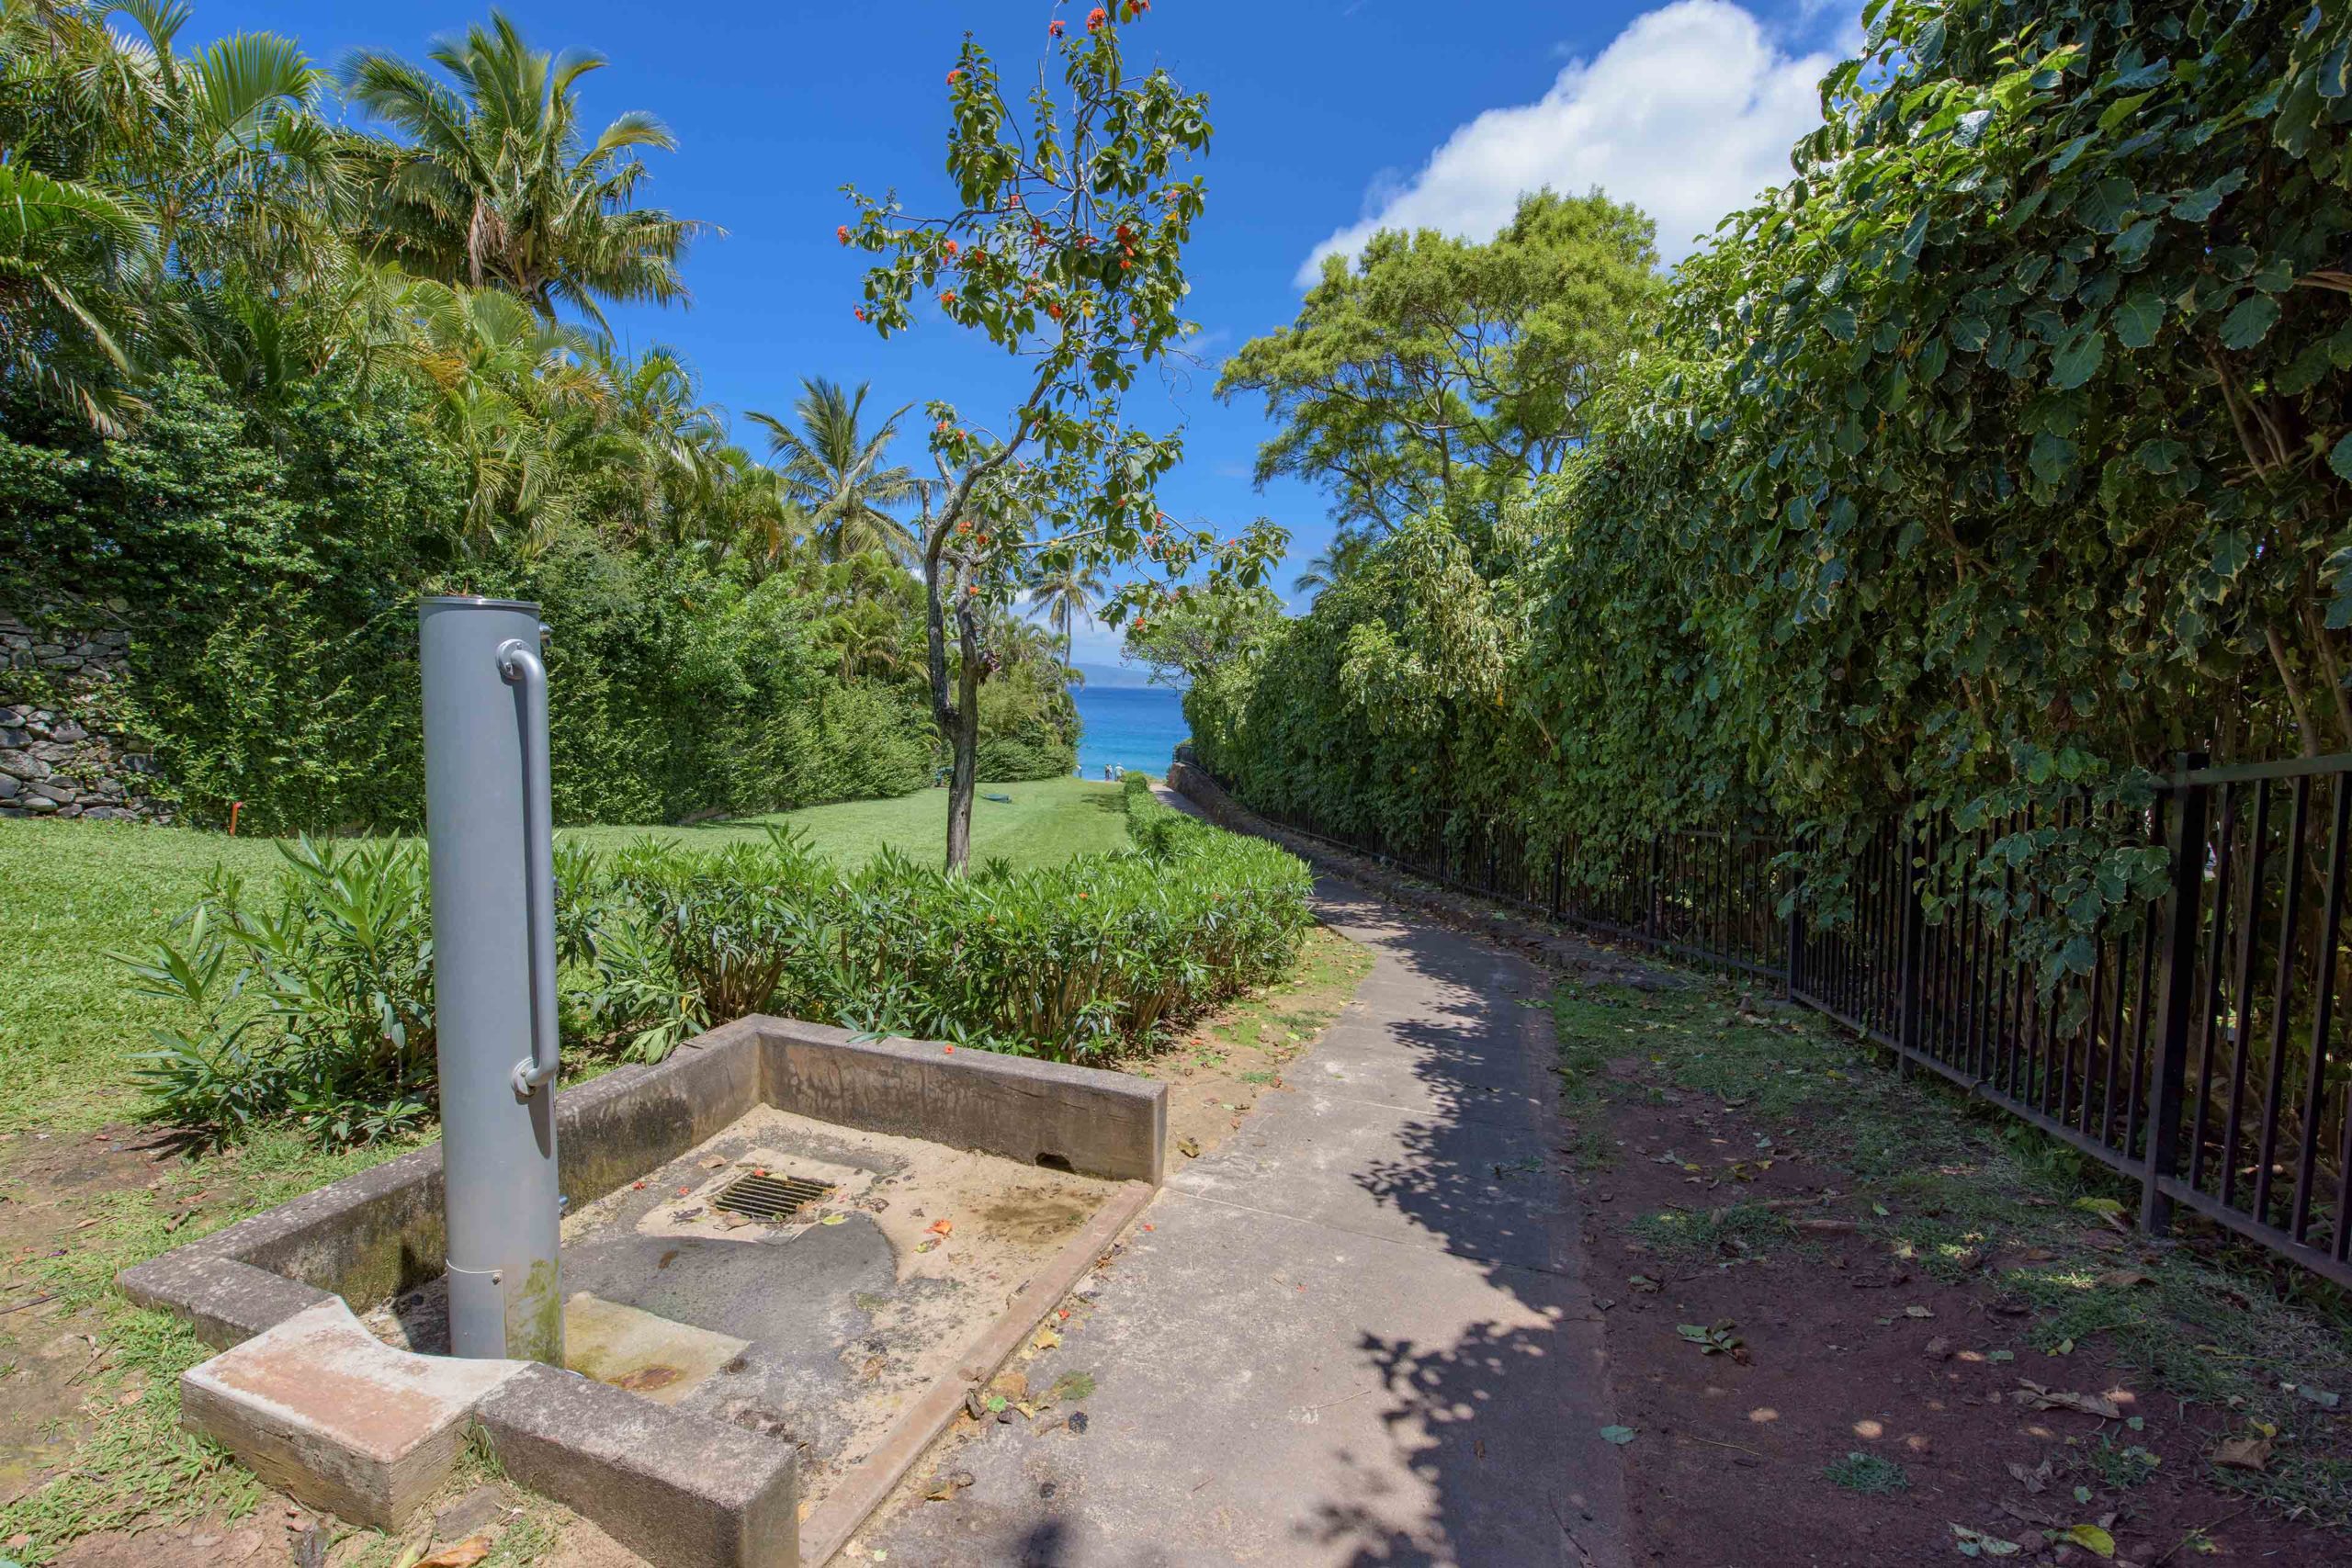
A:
x: 1650, y: 912
x: 1912, y: 930
x: 2185, y: 835
x: 1792, y: 934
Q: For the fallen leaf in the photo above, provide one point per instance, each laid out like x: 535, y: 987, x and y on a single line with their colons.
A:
x: 714, y: 1162
x: 2032, y: 1480
x: 1620, y: 1436
x: 2091, y: 1539
x: 2122, y: 1278
x: 465, y: 1554
x: 1643, y: 1282
x: 2318, y: 1396
x: 2030, y: 1393
x: 947, y: 1486
x: 1189, y: 1146
x: 1046, y: 1339
x: 1915, y: 1311
x: 941, y: 1227
x: 2244, y: 1453
x: 1976, y: 1543
x: 834, y: 1220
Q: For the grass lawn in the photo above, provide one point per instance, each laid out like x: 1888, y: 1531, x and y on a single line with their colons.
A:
x: 74, y: 891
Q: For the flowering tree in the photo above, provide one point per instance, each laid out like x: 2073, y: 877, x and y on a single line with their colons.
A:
x: 1066, y: 248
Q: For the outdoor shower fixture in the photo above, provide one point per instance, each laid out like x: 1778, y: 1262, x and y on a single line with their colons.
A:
x: 486, y: 814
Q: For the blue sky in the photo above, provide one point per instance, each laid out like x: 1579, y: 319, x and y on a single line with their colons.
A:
x: 1331, y: 116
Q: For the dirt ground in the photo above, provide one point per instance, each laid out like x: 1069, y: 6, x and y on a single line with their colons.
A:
x: 1861, y: 1320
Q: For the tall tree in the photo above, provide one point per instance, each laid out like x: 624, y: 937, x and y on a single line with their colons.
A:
x: 836, y: 471
x: 1065, y: 245
x: 1437, y: 373
x: 495, y: 184
x: 1067, y: 594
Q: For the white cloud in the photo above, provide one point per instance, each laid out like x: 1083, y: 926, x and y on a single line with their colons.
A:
x: 1687, y: 114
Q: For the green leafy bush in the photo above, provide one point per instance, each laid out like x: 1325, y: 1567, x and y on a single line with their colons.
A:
x: 2002, y: 453
x: 268, y: 572
x: 315, y: 1003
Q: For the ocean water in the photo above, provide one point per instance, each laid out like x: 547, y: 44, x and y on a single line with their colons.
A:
x: 1135, y: 726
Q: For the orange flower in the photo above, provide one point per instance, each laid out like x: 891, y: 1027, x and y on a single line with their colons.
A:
x: 1094, y: 19
x: 954, y: 78
x: 1054, y: 27
x: 949, y: 247
x: 859, y: 312
x: 948, y: 298
x: 840, y: 232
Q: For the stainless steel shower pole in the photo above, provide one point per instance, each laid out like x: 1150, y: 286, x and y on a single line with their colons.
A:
x: 486, y: 812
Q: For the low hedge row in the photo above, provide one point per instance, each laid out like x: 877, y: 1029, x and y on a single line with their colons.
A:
x: 311, y: 1001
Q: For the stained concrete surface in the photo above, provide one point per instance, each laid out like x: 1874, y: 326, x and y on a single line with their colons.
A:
x: 1354, y: 1334
x: 829, y: 1325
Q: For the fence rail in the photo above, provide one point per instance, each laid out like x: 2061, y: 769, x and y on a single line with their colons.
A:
x: 2203, y: 1055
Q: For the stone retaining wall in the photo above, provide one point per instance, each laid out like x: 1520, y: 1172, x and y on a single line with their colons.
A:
x: 58, y: 754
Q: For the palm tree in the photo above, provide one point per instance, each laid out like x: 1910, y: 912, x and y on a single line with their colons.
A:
x: 836, y: 471
x: 494, y: 185
x: 70, y: 256
x: 135, y: 180
x: 522, y: 404
x: 1067, y: 594
x: 1345, y: 554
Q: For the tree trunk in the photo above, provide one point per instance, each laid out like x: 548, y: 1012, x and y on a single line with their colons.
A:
x: 957, y: 720
x: 963, y: 777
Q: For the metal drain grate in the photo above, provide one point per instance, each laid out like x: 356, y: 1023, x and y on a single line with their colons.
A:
x: 769, y: 1197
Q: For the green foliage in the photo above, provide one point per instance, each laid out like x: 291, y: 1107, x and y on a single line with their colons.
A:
x: 266, y: 381
x: 494, y: 179
x: 316, y: 1005
x: 1986, y: 465
x: 1202, y: 628
x: 1436, y: 374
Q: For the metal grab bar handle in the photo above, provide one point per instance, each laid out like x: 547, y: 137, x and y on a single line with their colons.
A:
x: 519, y: 665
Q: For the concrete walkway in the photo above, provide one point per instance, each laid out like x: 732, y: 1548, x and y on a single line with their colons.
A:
x: 1354, y: 1334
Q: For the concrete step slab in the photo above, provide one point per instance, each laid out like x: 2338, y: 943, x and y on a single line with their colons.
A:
x: 320, y: 1408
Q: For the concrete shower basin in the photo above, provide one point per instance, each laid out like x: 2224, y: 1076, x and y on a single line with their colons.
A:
x: 742, y: 1387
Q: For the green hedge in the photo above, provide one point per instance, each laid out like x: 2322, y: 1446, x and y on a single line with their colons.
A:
x: 2000, y: 455
x: 311, y: 999
x: 269, y: 571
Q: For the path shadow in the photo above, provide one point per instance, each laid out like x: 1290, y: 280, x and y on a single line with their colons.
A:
x: 1501, y: 1422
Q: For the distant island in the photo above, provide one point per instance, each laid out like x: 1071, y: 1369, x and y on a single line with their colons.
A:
x: 1112, y: 676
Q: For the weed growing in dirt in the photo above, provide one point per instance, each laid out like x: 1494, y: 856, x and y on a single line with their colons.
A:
x: 1869, y: 1475
x: 1713, y: 1235
x: 2121, y: 1465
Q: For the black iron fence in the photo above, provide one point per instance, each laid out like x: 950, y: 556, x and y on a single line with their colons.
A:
x: 2202, y: 1055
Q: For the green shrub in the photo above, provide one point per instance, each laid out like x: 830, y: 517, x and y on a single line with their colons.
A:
x: 316, y: 1004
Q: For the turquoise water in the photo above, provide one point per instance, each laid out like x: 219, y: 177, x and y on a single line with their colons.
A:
x: 1135, y: 726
